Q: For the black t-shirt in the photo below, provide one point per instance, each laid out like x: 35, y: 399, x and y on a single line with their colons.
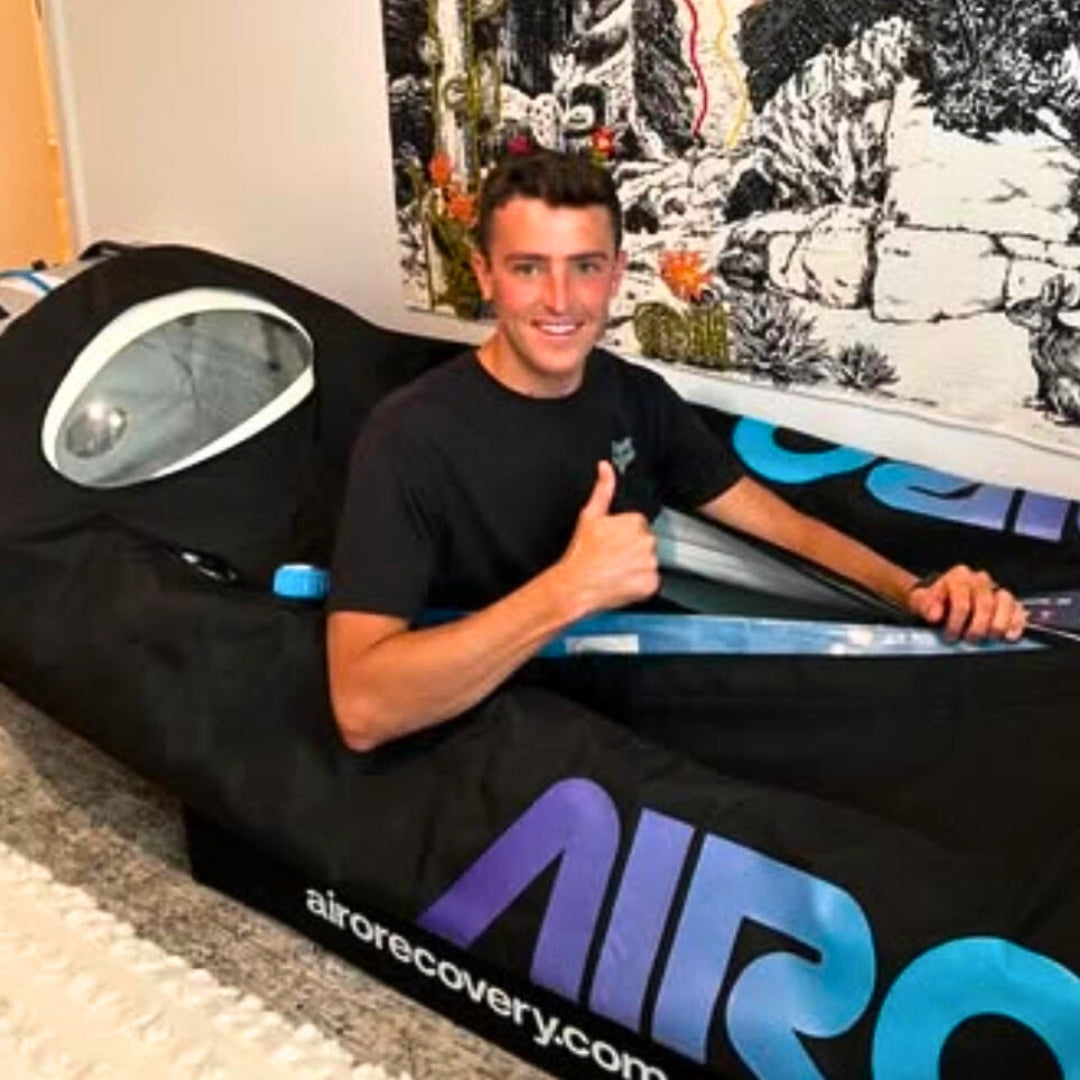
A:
x: 461, y: 490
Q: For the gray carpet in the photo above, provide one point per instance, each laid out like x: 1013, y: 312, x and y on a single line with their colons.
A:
x: 96, y: 825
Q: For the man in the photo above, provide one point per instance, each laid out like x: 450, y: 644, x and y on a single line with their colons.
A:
x: 486, y: 484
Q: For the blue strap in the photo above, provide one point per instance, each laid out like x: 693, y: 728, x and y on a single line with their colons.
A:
x: 28, y: 276
x: 721, y: 635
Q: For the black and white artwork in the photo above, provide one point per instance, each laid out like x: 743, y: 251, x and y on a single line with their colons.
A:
x: 868, y: 199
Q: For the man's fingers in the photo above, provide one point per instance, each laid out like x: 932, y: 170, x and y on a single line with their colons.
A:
x: 929, y: 601
x: 969, y: 604
x: 1009, y: 617
x: 976, y: 608
x: 972, y: 603
x: 599, y: 502
x: 983, y: 606
x: 934, y: 605
x: 959, y: 611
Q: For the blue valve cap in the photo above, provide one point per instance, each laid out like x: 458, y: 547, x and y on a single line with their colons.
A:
x: 301, y: 581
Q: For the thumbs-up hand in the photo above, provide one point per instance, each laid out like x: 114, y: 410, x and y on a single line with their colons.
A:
x: 603, y: 492
x: 611, y: 558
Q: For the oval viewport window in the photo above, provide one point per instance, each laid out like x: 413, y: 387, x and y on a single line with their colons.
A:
x: 172, y: 382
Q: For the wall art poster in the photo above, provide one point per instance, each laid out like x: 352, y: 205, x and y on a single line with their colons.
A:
x: 868, y: 199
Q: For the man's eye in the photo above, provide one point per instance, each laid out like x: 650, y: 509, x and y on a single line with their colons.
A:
x: 525, y: 269
x: 590, y: 268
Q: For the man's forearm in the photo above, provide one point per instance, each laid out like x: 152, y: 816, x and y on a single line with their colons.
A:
x: 852, y: 560
x: 756, y: 510
x: 416, y: 678
x: 964, y: 602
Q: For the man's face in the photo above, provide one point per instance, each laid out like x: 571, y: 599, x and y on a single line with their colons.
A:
x: 550, y: 273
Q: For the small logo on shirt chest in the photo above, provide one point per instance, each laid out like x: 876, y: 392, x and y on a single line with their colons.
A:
x: 622, y: 454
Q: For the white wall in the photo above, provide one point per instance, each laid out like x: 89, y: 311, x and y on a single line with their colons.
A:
x: 254, y: 127
x: 259, y: 128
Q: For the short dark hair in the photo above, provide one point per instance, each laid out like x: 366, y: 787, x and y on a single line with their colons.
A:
x: 554, y: 178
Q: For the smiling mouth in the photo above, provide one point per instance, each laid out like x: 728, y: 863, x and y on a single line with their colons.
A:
x: 558, y: 329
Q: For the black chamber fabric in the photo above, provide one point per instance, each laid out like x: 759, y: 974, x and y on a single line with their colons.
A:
x: 218, y: 693
x: 978, y: 752
x: 272, y: 498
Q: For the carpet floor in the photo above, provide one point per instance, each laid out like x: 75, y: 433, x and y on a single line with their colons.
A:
x: 83, y: 998
x: 96, y: 826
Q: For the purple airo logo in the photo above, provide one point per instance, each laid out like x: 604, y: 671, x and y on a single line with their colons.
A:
x: 777, y: 998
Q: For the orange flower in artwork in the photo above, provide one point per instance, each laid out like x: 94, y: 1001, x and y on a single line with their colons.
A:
x: 441, y: 169
x: 603, y: 142
x: 683, y: 273
x: 461, y: 206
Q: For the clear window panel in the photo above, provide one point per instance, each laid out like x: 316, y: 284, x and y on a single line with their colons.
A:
x: 175, y: 391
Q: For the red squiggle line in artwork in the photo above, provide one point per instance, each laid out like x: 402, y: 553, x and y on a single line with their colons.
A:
x: 695, y: 63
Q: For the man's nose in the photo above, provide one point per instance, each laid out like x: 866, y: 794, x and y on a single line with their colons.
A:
x: 555, y: 290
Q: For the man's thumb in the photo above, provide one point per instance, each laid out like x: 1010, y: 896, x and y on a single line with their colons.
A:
x: 602, y: 493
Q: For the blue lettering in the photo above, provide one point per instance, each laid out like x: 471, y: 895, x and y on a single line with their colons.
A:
x: 1042, y: 517
x: 909, y: 488
x: 638, y: 918
x: 779, y: 996
x: 974, y: 977
x: 940, y: 495
x: 574, y: 821
x: 755, y: 442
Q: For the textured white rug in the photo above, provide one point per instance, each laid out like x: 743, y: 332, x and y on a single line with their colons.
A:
x: 83, y: 998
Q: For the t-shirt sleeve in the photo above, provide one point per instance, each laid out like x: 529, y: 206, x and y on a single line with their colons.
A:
x: 387, y: 538
x: 694, y: 464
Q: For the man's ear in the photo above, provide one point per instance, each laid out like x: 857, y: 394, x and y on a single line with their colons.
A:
x: 482, y: 271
